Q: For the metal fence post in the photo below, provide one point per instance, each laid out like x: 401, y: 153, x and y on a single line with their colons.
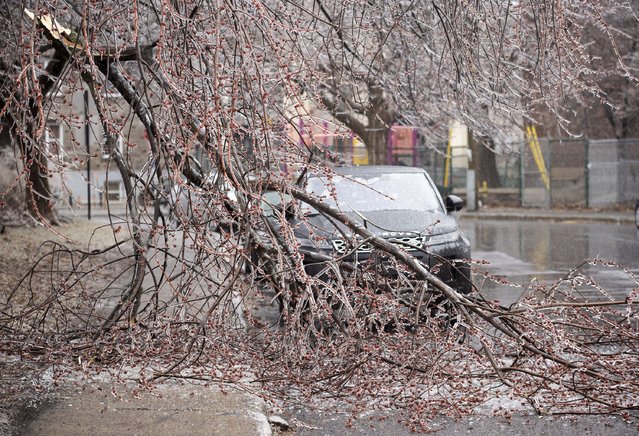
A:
x: 548, y: 196
x: 587, y: 171
x: 87, y: 143
x: 471, y: 192
x: 522, y: 172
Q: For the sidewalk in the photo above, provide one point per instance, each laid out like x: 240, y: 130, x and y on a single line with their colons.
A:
x: 617, y: 217
x: 170, y: 409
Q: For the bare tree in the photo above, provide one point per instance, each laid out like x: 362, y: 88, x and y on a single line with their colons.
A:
x: 201, y: 77
x: 611, y: 45
x: 425, y: 63
x: 23, y: 116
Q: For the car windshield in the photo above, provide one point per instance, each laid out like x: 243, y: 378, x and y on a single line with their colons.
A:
x: 394, y: 191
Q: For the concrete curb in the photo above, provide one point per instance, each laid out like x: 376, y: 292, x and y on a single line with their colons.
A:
x: 551, y: 215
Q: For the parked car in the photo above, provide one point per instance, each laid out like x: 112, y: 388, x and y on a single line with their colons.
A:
x: 400, y: 204
x: 637, y: 214
x: 200, y: 206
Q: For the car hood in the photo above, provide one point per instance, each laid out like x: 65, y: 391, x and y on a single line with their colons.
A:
x: 383, y: 223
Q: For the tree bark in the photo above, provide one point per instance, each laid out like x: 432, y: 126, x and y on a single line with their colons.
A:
x: 38, y: 198
x: 376, y: 140
x: 483, y: 161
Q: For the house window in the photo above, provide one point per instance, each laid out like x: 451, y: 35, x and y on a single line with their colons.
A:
x: 54, y: 139
x: 113, y: 190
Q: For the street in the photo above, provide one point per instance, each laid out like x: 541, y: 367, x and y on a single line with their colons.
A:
x: 521, y: 251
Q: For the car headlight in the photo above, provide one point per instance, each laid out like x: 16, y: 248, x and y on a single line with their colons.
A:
x: 443, y: 238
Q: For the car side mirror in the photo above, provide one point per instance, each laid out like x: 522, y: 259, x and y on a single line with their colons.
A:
x: 453, y: 203
x: 288, y: 209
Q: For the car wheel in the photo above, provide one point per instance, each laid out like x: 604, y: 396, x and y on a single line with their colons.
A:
x: 463, y: 279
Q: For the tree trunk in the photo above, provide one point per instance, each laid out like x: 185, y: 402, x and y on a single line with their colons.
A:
x: 380, y: 115
x: 376, y: 140
x: 40, y: 202
x: 38, y: 197
x: 483, y: 161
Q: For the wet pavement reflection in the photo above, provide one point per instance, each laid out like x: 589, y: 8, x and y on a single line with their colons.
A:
x: 522, y: 252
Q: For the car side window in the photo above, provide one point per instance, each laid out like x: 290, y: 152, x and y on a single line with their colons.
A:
x: 272, y: 201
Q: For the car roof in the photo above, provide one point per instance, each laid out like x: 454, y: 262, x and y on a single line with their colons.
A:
x: 375, y: 169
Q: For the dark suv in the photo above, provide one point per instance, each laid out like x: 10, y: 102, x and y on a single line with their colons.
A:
x: 399, y: 204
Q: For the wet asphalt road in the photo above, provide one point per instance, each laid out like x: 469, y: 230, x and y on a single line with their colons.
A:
x: 523, y: 251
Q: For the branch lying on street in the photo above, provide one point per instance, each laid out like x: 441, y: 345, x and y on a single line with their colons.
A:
x: 208, y: 281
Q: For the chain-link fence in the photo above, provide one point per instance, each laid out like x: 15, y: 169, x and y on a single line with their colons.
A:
x: 536, y: 173
x: 582, y: 173
x: 614, y: 171
x: 566, y: 162
x: 579, y: 173
x: 434, y: 160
